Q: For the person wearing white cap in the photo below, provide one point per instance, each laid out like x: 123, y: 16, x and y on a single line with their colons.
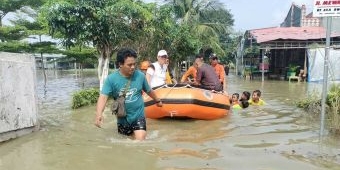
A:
x: 156, y: 73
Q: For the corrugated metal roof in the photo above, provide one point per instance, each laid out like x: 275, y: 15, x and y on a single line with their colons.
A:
x: 290, y: 33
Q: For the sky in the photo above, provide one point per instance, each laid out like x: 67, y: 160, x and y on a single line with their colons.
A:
x: 254, y: 14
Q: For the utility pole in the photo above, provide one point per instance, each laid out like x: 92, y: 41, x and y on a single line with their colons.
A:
x: 325, y: 76
x: 328, y: 9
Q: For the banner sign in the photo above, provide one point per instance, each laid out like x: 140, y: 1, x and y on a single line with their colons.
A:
x: 326, y: 8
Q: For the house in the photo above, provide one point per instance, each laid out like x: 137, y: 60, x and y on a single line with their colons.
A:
x: 289, y: 44
x: 297, y: 17
x: 52, y: 61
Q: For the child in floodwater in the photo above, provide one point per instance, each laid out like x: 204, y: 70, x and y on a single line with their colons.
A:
x: 235, y: 102
x: 256, y: 99
x: 243, y: 102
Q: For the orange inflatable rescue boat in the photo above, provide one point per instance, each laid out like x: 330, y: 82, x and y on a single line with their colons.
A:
x: 185, y: 101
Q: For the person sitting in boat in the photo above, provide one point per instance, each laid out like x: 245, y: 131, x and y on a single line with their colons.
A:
x: 235, y: 101
x: 206, y: 77
x: 244, y: 99
x: 256, y: 99
x: 190, y: 74
x: 144, y: 66
x: 156, y: 73
x: 169, y: 78
x: 219, y: 69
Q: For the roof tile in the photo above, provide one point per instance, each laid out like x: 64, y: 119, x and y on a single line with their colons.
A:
x: 292, y: 33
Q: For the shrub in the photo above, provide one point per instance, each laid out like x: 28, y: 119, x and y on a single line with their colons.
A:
x: 85, y: 97
x: 313, y: 105
x: 333, y: 99
x: 333, y: 96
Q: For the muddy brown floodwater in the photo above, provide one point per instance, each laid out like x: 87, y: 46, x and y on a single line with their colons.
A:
x: 277, y: 136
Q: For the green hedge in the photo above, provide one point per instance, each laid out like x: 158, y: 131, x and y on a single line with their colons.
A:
x: 85, y: 97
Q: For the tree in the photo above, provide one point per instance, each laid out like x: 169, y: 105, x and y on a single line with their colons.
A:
x: 12, y: 33
x: 207, y: 19
x: 10, y: 36
x: 38, y: 27
x: 103, y: 24
x: 164, y: 32
x: 229, y: 44
x: 80, y: 55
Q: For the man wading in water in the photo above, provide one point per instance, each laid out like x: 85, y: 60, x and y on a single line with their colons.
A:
x: 134, y: 123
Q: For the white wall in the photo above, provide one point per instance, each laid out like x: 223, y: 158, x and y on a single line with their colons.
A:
x: 316, y: 64
x: 18, y: 99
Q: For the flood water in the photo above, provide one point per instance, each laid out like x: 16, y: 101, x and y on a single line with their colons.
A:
x: 277, y: 136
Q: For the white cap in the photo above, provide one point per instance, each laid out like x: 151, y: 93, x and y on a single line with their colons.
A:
x: 162, y: 53
x: 212, y: 55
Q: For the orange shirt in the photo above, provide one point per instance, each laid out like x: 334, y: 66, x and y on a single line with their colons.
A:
x: 219, y: 69
x: 191, y: 71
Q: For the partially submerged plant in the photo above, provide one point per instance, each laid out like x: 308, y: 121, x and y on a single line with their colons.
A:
x: 312, y: 105
x: 293, y: 67
x: 333, y: 100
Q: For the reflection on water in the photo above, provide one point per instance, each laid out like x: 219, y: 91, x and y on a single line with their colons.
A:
x: 54, y: 99
x: 275, y: 136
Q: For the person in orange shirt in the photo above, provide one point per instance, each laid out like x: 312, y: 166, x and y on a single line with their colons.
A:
x: 144, y: 66
x: 192, y: 71
x: 219, y: 69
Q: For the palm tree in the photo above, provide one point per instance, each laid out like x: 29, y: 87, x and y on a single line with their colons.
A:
x: 206, y: 18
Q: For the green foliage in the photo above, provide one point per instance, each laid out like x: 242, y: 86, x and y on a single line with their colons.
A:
x: 85, y: 97
x: 333, y: 100
x: 105, y: 24
x: 183, y: 43
x: 292, y: 67
x: 252, y: 50
x: 12, y: 33
x: 80, y: 55
x: 230, y: 44
x: 207, y: 20
x: 158, y: 33
x: 43, y: 47
x: 176, y: 38
x: 219, y: 17
x: 22, y: 29
x: 333, y: 96
x: 33, y: 28
x: 14, y: 47
x: 309, y: 103
x: 313, y: 105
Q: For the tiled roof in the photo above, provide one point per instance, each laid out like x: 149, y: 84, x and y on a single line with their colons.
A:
x: 290, y: 33
x: 310, y: 15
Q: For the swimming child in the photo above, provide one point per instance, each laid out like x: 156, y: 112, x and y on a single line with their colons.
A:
x: 256, y: 99
x: 244, y: 99
x: 234, y: 101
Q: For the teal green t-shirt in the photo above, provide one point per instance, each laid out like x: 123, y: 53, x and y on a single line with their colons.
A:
x: 134, y: 104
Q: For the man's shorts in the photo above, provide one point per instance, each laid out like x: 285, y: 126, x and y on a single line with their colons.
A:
x: 127, y: 129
